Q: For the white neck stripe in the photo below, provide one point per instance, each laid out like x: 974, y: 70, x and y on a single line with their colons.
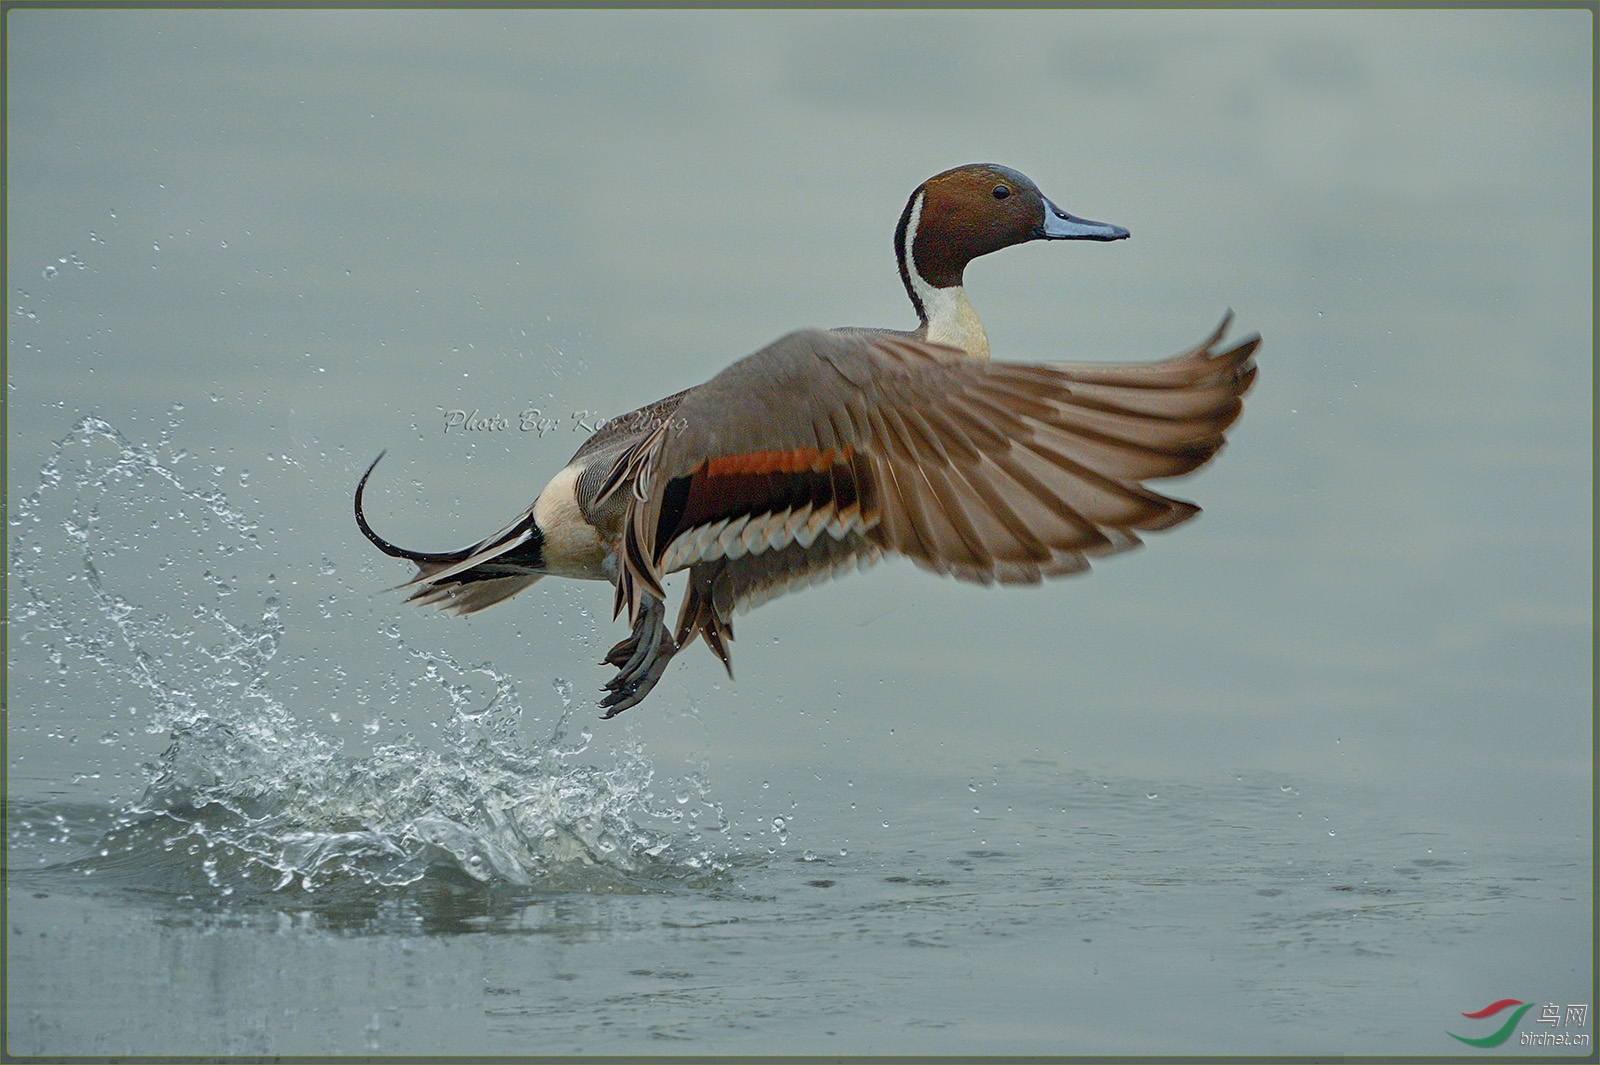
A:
x: 925, y: 294
x: 946, y: 314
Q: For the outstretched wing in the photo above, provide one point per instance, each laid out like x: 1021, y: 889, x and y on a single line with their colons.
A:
x: 985, y: 471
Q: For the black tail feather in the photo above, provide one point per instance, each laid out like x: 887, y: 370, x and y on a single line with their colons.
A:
x: 419, y: 557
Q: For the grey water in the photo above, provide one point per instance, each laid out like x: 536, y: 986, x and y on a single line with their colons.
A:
x: 1310, y: 775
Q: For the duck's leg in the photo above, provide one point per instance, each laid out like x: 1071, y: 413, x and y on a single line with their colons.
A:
x: 641, y: 658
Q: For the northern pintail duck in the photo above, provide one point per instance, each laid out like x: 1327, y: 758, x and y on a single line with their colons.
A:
x: 830, y: 448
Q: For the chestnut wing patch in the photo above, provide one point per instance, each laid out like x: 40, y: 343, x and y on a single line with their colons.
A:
x: 763, y: 499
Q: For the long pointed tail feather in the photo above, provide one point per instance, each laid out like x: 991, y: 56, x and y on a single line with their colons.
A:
x: 421, y: 558
x: 464, y: 581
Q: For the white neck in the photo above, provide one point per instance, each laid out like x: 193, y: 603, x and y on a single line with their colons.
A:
x: 951, y: 319
x: 948, y: 317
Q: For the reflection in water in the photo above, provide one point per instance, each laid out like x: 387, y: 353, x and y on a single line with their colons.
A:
x: 251, y: 805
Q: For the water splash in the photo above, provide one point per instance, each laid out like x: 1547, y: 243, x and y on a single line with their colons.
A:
x: 249, y: 800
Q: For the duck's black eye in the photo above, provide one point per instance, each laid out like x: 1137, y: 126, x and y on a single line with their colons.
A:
x: 1001, y: 192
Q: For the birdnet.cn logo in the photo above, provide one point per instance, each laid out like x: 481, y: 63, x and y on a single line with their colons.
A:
x: 1560, y: 1025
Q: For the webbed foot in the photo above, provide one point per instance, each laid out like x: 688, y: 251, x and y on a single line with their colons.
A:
x: 640, y: 659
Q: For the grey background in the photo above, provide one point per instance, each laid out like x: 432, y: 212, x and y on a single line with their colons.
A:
x: 317, y: 232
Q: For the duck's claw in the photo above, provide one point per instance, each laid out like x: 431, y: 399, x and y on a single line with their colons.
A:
x: 641, y: 659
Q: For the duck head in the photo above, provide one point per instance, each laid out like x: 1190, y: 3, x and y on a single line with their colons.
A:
x: 954, y: 217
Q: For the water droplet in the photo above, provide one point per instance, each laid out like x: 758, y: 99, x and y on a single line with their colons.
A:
x: 328, y: 567
x: 50, y: 272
